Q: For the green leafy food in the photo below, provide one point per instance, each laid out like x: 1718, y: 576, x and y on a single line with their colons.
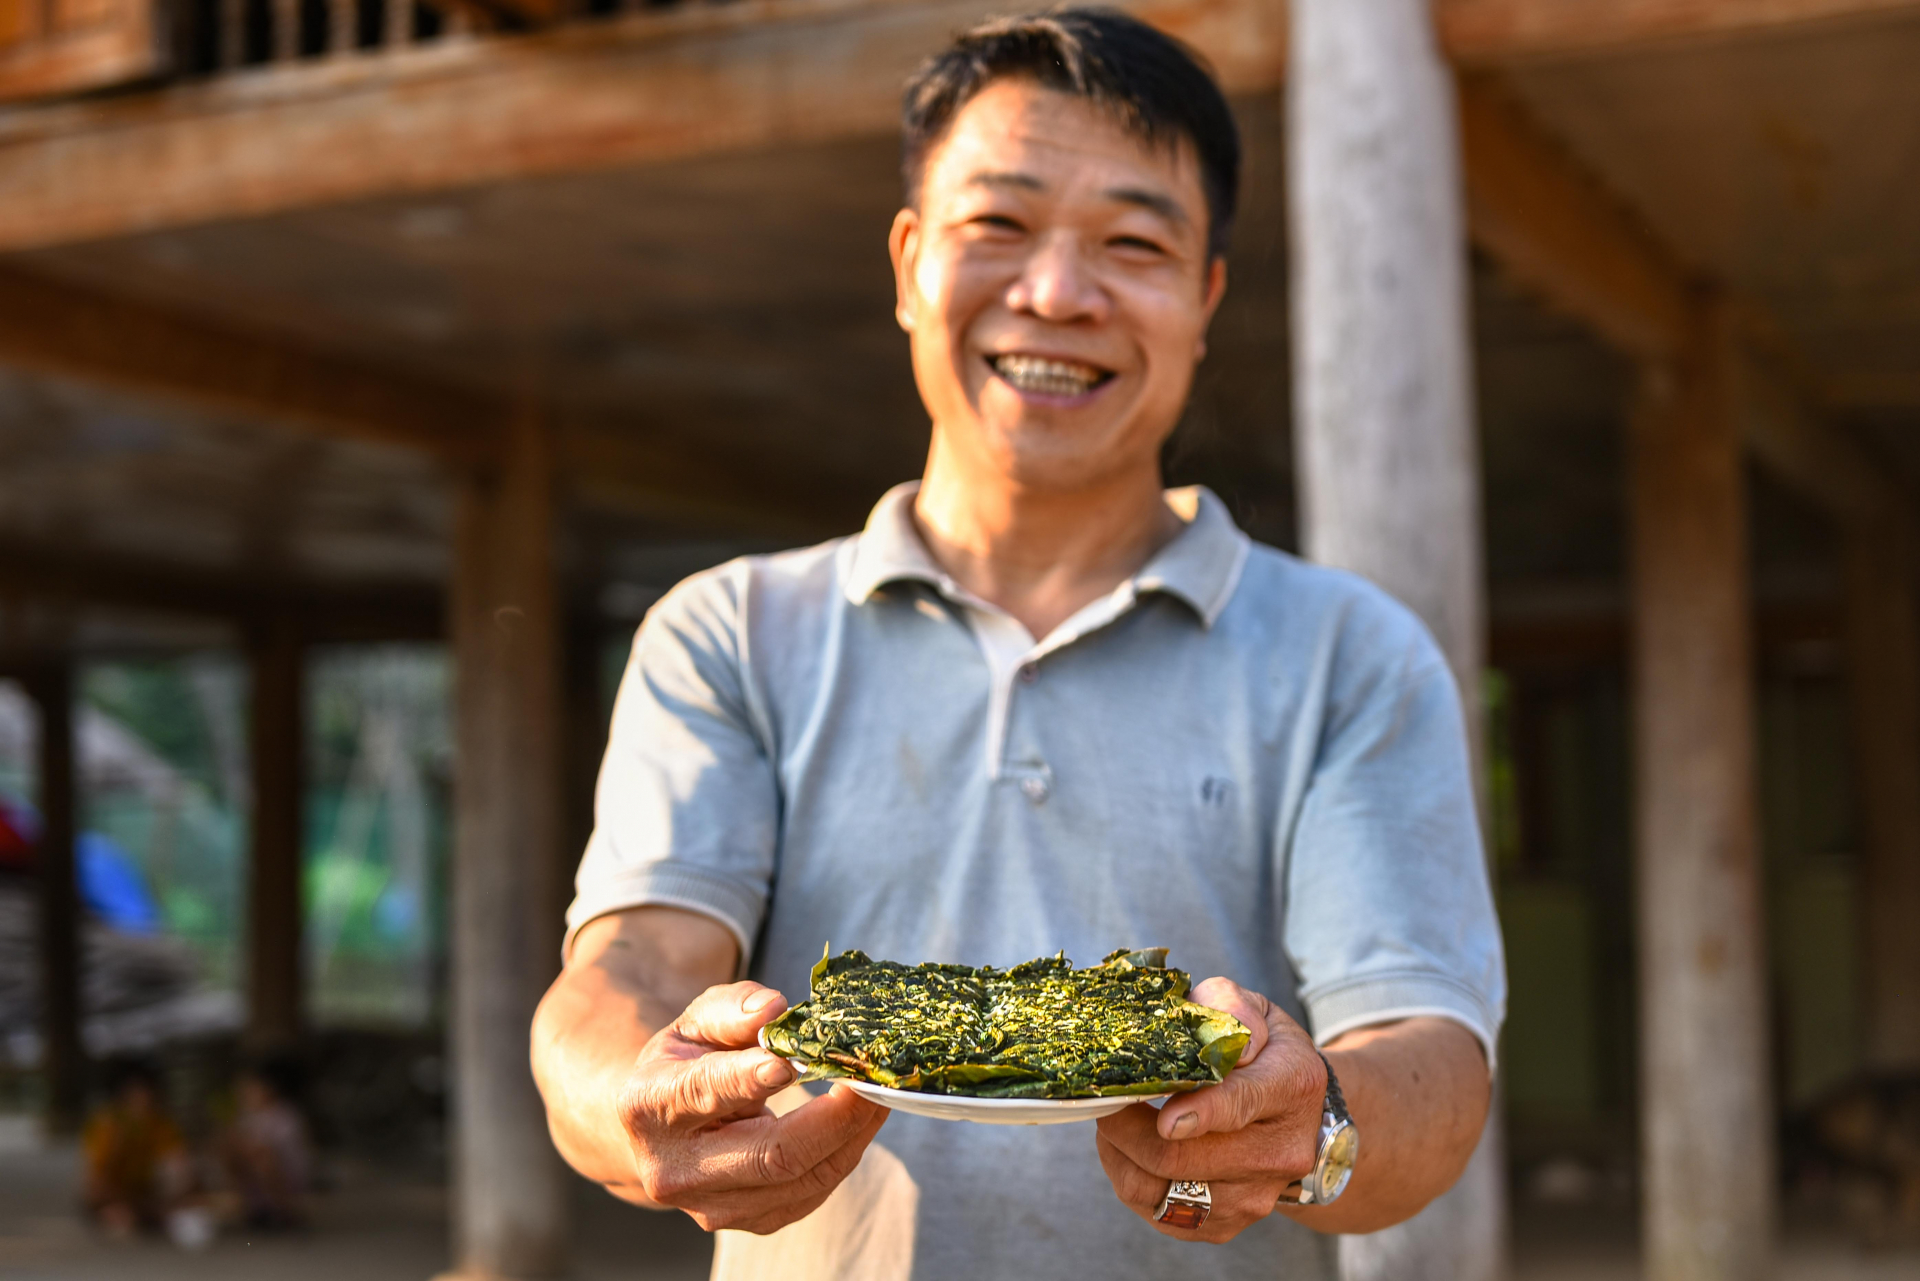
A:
x: 1041, y: 1030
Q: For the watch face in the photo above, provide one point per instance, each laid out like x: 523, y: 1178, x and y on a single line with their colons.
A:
x: 1336, y: 1163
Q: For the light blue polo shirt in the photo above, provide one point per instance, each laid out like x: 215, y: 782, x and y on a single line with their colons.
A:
x: 1256, y: 762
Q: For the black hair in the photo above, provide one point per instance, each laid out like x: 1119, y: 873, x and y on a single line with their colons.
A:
x: 123, y: 1073
x: 1157, y: 87
x: 284, y: 1076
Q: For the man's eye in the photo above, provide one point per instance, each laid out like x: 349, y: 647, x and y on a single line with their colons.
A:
x: 998, y: 222
x: 1136, y: 243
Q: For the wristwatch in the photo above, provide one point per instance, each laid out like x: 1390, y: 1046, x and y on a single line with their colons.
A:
x: 1339, y: 1145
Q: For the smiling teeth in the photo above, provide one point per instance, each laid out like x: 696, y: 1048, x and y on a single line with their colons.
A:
x: 1048, y: 377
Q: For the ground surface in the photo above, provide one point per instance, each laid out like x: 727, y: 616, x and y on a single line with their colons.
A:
x: 376, y: 1226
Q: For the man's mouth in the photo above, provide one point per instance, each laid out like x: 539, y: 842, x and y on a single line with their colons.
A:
x: 1045, y: 376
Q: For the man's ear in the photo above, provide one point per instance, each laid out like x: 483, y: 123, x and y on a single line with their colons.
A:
x: 903, y: 246
x: 1216, y: 290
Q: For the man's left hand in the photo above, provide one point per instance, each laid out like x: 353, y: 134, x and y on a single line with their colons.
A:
x: 1248, y: 1138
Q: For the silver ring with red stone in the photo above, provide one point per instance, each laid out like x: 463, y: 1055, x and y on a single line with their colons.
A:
x: 1186, y: 1205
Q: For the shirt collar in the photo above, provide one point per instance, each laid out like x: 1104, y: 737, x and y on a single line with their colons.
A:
x: 1201, y: 565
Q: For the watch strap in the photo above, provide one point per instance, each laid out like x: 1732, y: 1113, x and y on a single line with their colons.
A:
x: 1336, y: 1102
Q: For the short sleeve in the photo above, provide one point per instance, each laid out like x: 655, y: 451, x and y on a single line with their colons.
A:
x: 686, y: 813
x: 1388, y: 910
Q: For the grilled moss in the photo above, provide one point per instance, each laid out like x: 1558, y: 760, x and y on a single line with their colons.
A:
x: 1039, y: 1030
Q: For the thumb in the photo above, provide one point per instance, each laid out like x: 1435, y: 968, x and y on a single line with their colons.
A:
x: 1251, y: 1008
x: 729, y: 1017
x: 715, y: 1086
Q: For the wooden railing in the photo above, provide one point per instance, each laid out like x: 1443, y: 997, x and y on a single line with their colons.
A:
x: 59, y: 48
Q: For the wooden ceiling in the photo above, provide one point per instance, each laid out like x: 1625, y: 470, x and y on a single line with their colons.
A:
x: 735, y: 310
x: 1788, y: 165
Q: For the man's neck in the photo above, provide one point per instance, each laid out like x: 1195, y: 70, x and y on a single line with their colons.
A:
x: 1041, y: 555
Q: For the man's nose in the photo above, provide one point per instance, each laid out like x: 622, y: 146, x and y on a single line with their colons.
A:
x: 1059, y: 284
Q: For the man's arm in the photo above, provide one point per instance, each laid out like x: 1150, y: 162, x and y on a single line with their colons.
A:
x: 655, y: 1089
x: 1424, y: 1087
x: 1417, y: 1089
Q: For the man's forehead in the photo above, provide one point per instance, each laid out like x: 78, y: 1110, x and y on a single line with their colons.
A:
x: 1017, y: 135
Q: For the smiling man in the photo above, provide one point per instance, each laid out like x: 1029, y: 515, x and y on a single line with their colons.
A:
x: 1039, y: 703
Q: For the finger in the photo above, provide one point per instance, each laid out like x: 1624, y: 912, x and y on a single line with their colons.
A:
x: 795, y: 1144
x: 726, y: 1171
x: 1265, y: 1150
x: 729, y: 1017
x: 694, y: 1093
x: 1250, y: 1008
x: 1236, y: 1203
x: 782, y: 1149
x: 1138, y: 1189
x: 1288, y: 1082
x: 753, y: 1211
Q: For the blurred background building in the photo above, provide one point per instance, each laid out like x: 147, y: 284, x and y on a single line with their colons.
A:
x: 367, y: 367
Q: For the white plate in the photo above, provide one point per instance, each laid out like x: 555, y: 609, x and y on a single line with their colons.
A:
x: 958, y: 1107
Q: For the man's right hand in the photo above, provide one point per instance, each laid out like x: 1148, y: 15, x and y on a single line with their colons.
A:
x: 656, y: 1090
x: 704, y: 1139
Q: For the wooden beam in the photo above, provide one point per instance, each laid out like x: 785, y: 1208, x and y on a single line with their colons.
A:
x: 1553, y: 228
x: 1792, y: 438
x: 698, y: 78
x: 648, y: 87
x: 52, y: 327
x: 1383, y: 427
x: 1477, y: 32
x: 63, y: 1055
x: 73, y: 48
x: 618, y: 469
x: 1706, y: 1132
x: 275, y: 985
x: 400, y: 611
x: 1883, y: 679
x: 510, y: 1190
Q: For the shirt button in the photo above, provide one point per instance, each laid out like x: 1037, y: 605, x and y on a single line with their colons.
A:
x: 1036, y: 789
x: 1029, y: 673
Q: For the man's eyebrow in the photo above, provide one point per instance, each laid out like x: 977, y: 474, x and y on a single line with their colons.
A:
x: 1003, y: 178
x: 1155, y: 201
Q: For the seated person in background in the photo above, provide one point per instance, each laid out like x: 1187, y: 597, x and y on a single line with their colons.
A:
x: 267, y: 1154
x: 137, y: 1163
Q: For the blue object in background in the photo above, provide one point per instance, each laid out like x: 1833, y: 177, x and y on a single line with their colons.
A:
x: 111, y: 884
x: 112, y: 887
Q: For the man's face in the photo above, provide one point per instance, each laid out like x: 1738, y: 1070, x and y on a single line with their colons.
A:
x: 1056, y: 284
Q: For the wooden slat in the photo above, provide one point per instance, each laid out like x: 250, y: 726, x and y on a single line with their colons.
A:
x: 90, y: 57
x: 1556, y: 230
x: 1493, y: 31
x: 53, y: 327
x: 649, y: 87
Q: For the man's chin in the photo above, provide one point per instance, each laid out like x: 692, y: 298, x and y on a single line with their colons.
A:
x: 1050, y: 458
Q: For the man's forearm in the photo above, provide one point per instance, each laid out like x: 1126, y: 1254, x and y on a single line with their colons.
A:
x: 630, y: 975
x: 1418, y: 1091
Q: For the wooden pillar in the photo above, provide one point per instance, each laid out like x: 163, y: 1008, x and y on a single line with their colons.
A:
x: 509, y: 1186
x: 1883, y: 663
x: 275, y: 973
x: 63, y: 1052
x: 1706, y: 1114
x: 1383, y: 418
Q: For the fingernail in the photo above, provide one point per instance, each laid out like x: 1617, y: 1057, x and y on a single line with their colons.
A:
x: 758, y: 1001
x: 1183, y: 1125
x: 773, y: 1071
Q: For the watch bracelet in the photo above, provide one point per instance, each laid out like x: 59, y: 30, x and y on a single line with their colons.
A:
x: 1336, y: 1101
